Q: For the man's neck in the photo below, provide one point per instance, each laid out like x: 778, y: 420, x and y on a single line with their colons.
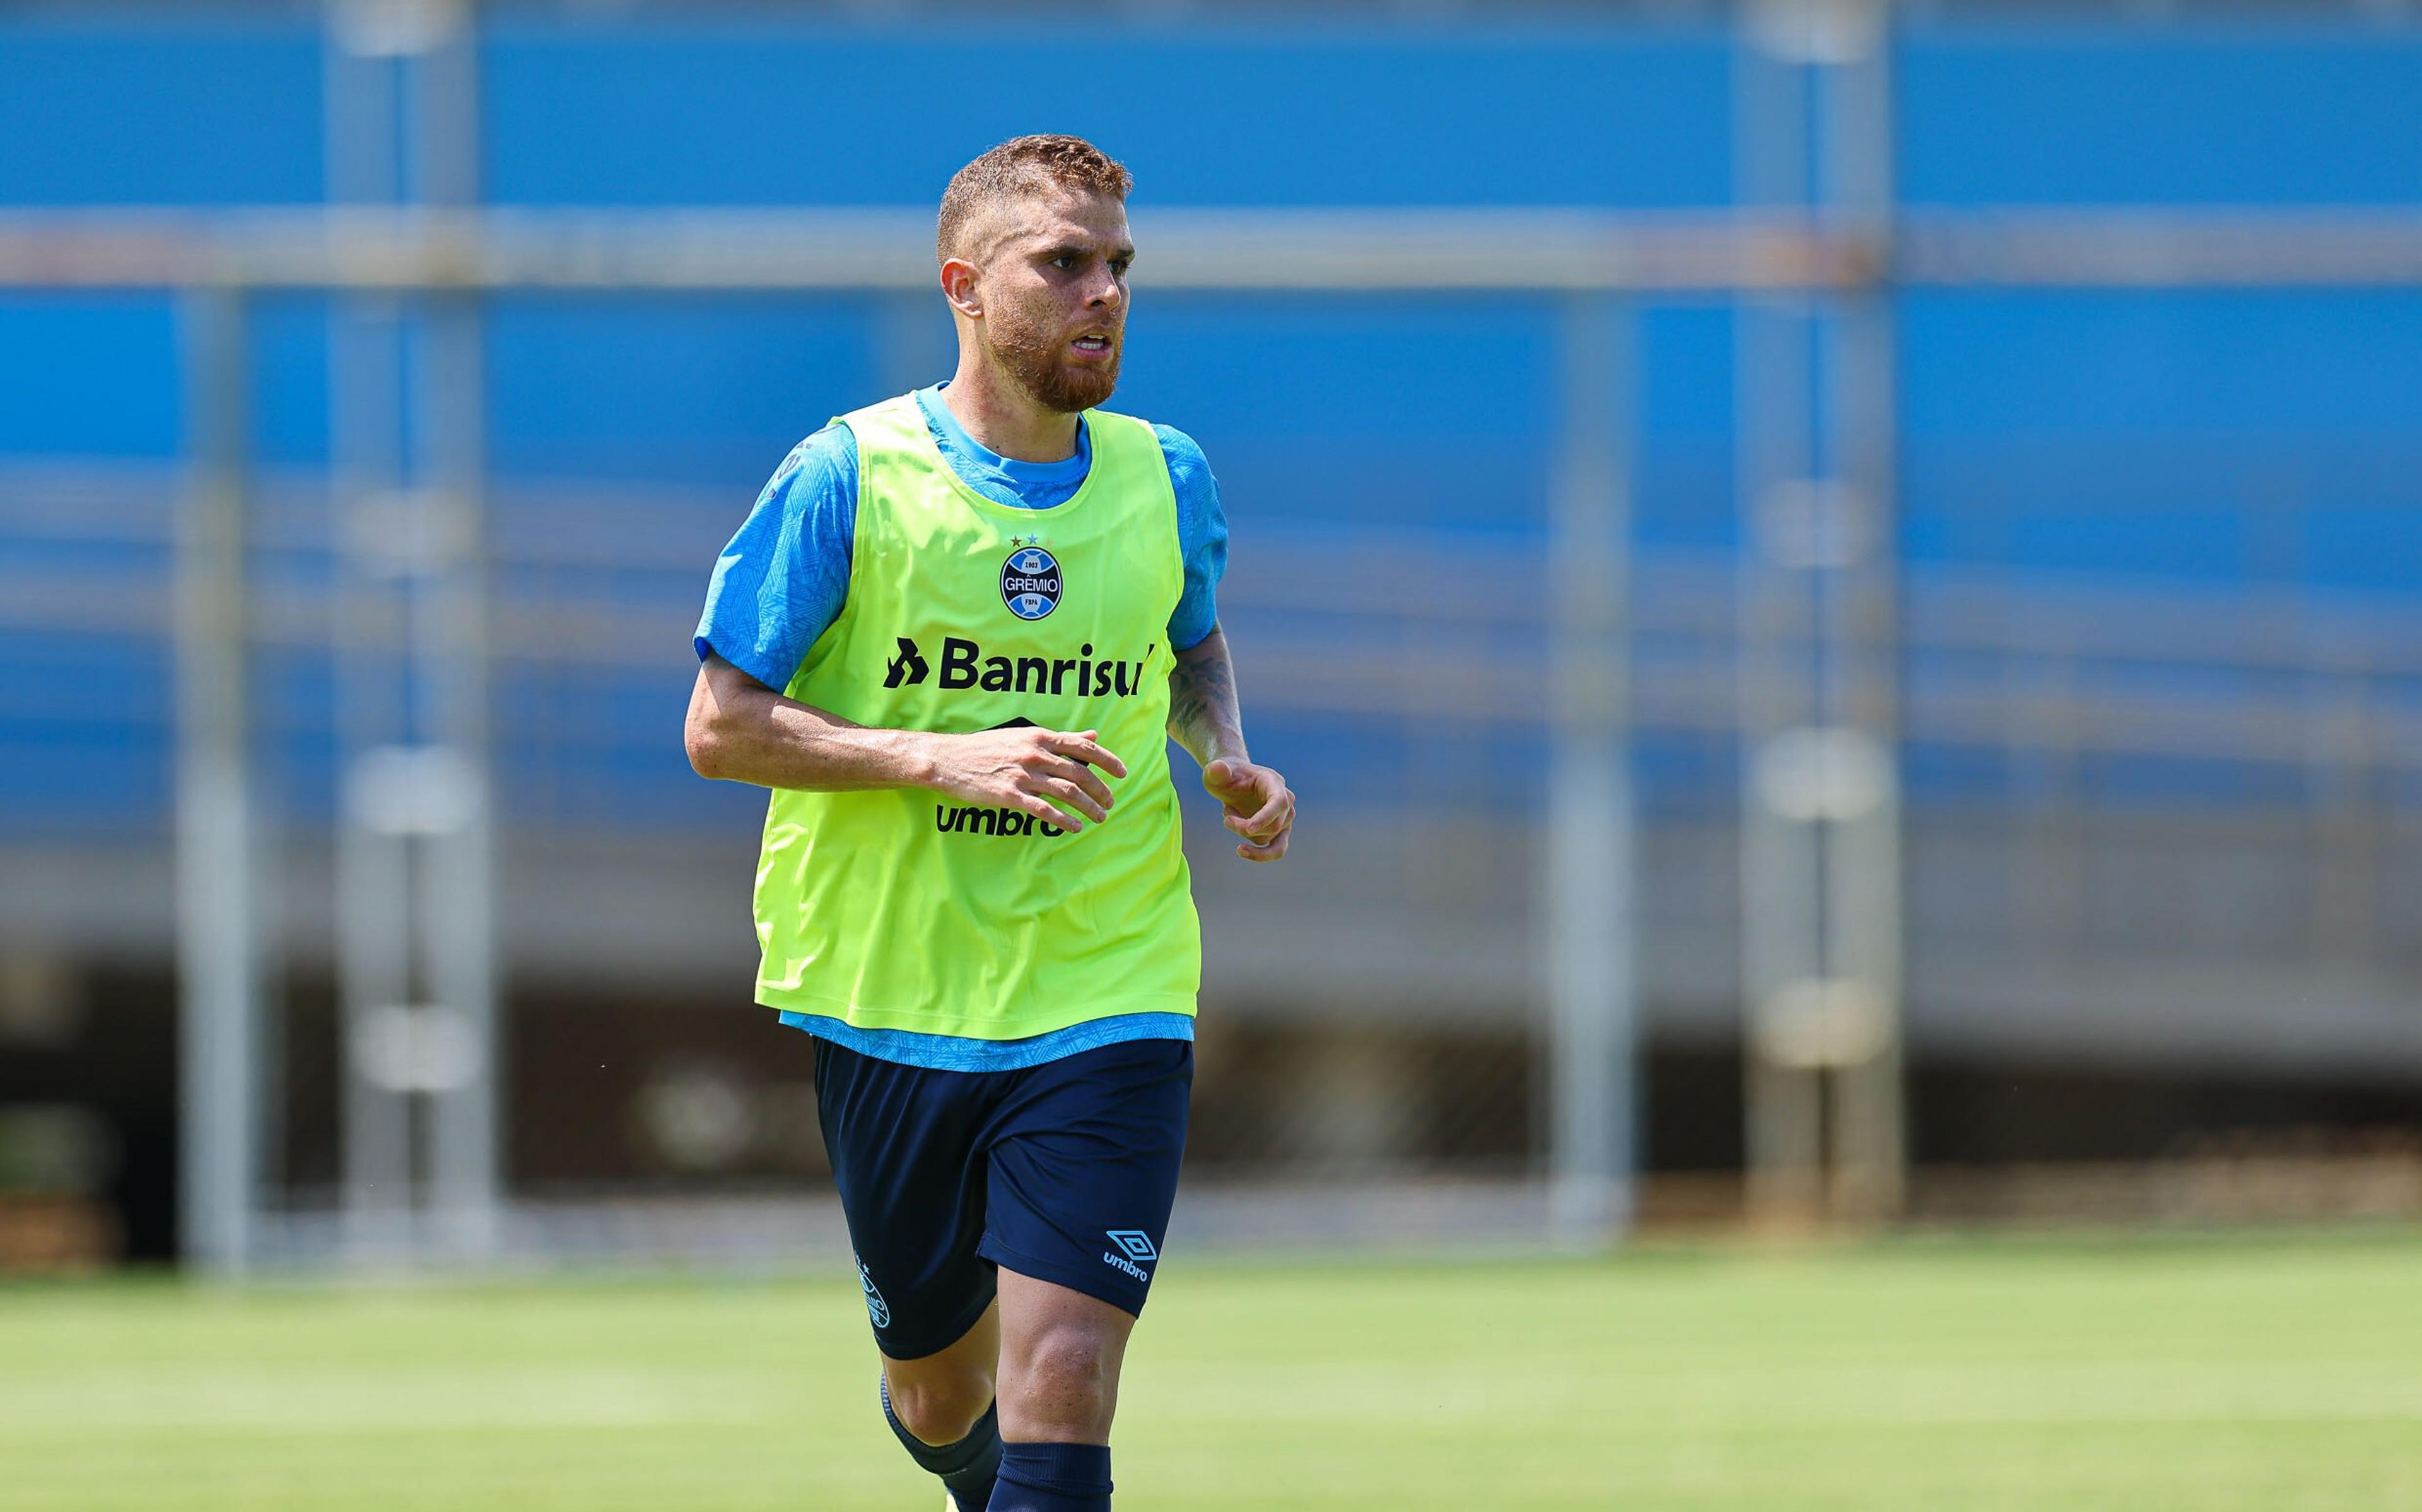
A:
x: 1006, y: 420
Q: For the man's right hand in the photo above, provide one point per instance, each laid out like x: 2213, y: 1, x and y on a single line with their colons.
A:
x: 1054, y: 775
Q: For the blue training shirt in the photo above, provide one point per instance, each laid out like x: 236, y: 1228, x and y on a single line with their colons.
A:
x: 782, y: 582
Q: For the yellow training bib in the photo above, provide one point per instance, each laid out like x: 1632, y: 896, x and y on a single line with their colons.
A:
x: 905, y: 910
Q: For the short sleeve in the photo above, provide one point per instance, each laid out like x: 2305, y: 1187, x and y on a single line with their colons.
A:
x: 782, y: 582
x: 1202, y: 538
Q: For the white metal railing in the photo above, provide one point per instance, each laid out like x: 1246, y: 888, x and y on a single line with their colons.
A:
x: 706, y: 249
x: 2034, y: 645
x: 442, y: 259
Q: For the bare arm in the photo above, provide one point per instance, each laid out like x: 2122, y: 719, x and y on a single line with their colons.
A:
x: 740, y: 730
x: 1203, y: 718
x: 1202, y: 714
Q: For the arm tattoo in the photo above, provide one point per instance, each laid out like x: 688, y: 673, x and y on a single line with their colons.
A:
x: 1202, y: 715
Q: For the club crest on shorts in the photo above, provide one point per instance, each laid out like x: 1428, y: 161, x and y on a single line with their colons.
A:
x: 1030, y: 581
x: 876, y: 1308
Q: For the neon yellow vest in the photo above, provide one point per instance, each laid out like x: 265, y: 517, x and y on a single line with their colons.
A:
x: 901, y: 908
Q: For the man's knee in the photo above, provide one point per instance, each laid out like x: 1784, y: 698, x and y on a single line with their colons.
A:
x: 937, y: 1406
x: 1061, y: 1387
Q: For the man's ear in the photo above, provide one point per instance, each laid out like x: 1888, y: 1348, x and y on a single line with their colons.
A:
x: 959, y: 280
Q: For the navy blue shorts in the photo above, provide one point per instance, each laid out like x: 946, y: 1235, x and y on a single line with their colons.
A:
x: 1064, y: 1172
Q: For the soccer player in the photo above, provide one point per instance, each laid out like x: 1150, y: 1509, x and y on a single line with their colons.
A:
x: 953, y: 638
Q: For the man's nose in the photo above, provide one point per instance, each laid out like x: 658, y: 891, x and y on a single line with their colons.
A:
x: 1106, y: 291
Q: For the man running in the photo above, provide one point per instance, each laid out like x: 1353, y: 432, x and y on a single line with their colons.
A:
x: 951, y: 638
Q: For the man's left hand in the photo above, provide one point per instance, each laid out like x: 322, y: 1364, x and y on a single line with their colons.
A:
x: 1260, y: 805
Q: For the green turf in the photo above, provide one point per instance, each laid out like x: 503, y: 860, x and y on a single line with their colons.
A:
x: 2269, y: 1375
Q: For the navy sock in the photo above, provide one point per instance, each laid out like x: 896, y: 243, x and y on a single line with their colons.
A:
x: 966, y: 1467
x: 1053, y: 1478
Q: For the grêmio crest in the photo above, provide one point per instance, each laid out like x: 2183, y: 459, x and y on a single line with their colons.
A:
x: 1030, y: 581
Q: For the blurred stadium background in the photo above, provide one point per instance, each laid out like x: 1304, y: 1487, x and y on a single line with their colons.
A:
x: 1840, y: 589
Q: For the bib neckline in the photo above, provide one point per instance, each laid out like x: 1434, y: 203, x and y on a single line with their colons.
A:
x: 932, y: 451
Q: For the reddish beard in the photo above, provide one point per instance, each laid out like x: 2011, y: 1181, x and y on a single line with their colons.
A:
x: 1038, y: 359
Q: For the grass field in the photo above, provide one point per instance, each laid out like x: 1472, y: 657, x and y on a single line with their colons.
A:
x: 2266, y: 1374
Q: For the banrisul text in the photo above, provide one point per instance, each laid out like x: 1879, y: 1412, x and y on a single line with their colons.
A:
x: 966, y: 666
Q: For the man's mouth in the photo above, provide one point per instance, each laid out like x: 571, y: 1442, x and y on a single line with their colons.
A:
x: 1093, y: 344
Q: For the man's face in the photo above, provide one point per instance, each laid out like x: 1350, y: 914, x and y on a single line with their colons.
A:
x: 1054, y: 286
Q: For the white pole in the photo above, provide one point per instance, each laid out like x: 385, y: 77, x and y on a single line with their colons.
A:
x: 450, y: 644
x: 1862, y: 632
x: 218, y: 918
x: 1820, y: 849
x: 1773, y: 464
x: 1592, y: 975
x: 374, y: 865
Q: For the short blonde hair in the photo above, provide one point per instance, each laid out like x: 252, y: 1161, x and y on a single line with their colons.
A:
x: 1020, y: 166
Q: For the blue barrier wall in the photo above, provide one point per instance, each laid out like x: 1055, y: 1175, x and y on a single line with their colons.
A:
x: 2215, y: 438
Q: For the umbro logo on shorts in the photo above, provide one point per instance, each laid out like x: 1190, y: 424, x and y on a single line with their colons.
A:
x: 1137, y: 1245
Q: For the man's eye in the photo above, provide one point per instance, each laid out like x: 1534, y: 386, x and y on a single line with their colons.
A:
x: 1119, y: 266
x: 1063, y: 262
